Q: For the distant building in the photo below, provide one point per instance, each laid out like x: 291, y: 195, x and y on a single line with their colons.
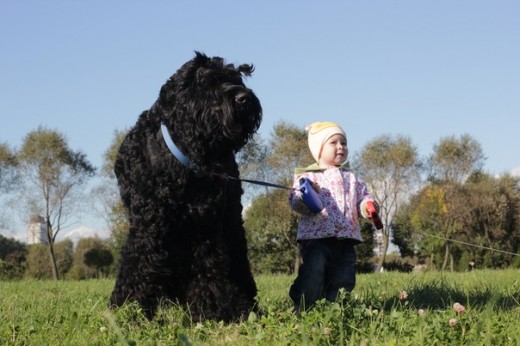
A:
x: 37, y: 230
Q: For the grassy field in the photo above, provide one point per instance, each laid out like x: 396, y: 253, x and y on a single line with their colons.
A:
x: 384, y: 309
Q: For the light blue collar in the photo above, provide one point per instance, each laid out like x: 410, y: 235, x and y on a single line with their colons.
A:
x: 176, y: 151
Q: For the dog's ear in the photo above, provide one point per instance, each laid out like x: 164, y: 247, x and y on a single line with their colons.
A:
x: 246, y: 69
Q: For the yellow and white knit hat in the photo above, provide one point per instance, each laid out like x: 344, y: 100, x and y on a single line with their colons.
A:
x: 319, y: 132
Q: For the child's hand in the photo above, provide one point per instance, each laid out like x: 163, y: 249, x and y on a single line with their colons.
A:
x: 310, y: 195
x: 370, y: 210
x: 365, y: 212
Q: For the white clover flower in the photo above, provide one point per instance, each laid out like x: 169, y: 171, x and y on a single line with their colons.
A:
x: 452, y: 322
x: 459, y: 308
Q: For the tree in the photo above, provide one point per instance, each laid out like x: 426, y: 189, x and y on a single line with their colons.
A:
x: 9, y: 246
x: 108, y: 201
x: 391, y: 167
x: 8, y: 163
x: 440, y: 214
x: 13, y: 266
x: 455, y: 223
x: 288, y: 149
x: 495, y: 217
x: 271, y: 233
x: 252, y: 162
x: 270, y: 224
x: 54, y: 176
x: 98, y: 258
x: 12, y: 258
x: 8, y: 178
x: 38, y: 266
x: 87, y: 269
x: 454, y: 159
x: 403, y: 234
x: 365, y: 250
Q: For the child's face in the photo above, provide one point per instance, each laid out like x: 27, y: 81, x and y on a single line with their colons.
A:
x: 334, y: 151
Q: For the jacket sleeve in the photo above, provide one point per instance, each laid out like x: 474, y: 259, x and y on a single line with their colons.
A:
x: 363, y: 196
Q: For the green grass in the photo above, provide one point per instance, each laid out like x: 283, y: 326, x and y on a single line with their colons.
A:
x: 75, y: 313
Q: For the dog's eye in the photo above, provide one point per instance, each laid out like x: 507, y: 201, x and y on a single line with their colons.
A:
x: 241, y: 97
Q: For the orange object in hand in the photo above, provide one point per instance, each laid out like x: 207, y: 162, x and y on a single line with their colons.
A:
x: 374, y: 216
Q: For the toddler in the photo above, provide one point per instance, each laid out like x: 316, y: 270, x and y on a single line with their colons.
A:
x: 327, y: 237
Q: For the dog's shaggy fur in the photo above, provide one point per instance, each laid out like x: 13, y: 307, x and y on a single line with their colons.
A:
x: 186, y: 241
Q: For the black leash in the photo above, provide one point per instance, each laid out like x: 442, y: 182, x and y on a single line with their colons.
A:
x: 263, y: 183
x: 177, y: 153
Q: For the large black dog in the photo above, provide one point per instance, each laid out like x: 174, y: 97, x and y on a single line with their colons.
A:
x: 186, y: 242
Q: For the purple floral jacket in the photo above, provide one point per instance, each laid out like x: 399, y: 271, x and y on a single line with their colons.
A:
x: 341, y: 193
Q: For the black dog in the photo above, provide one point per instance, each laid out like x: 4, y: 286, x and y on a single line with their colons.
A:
x: 186, y: 242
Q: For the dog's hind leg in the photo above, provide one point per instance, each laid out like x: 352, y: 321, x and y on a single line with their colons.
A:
x: 212, y: 293
x: 139, y: 278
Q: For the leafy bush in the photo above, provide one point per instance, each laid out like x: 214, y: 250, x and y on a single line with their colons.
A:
x: 13, y: 267
x: 396, y: 266
x: 98, y: 258
x: 91, y: 258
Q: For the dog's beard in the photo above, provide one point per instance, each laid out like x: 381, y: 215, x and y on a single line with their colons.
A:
x: 239, y: 121
x: 233, y: 131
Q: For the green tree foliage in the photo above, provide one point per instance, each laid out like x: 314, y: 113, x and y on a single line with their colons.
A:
x: 454, y: 159
x: 403, y: 235
x: 391, y: 167
x: 288, y: 149
x: 252, y: 162
x: 9, y: 246
x: 270, y: 224
x: 12, y: 258
x: 8, y: 180
x: 440, y: 213
x: 495, y: 217
x: 441, y: 209
x: 8, y: 163
x: 108, y: 201
x: 99, y: 259
x: 443, y: 218
x: 54, y: 176
x: 271, y: 233
x: 109, y: 157
x: 38, y: 265
x: 118, y: 229
x: 13, y: 266
x: 365, y: 250
x: 95, y: 250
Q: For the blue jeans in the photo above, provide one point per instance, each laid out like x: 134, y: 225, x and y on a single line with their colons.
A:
x: 328, y: 265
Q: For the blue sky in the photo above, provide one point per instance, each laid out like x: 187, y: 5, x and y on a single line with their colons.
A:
x: 424, y: 69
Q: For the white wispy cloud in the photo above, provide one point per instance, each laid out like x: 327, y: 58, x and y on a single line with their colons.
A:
x: 74, y: 234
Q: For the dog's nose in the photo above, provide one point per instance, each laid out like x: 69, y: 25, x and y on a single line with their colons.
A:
x: 241, y: 97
